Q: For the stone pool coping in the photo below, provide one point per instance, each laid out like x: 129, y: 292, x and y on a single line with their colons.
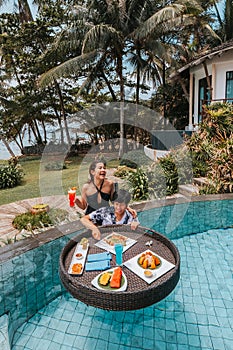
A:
x: 19, y: 247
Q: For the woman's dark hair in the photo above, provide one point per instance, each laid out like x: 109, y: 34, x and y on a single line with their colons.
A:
x: 122, y: 196
x: 93, y: 166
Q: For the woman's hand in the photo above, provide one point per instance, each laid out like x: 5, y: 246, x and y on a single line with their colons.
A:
x: 134, y: 225
x: 132, y: 212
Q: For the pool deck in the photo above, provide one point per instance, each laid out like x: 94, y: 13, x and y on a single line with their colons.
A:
x: 9, y: 211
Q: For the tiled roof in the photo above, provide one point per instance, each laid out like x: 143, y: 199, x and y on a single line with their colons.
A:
x: 207, y: 54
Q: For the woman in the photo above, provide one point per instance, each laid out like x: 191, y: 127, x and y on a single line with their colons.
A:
x: 98, y: 191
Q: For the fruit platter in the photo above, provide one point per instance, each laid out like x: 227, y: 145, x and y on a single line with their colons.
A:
x: 148, y: 265
x: 112, y: 280
x: 148, y: 260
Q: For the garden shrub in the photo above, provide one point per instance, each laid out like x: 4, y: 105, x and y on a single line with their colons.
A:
x: 138, y: 184
x: 55, y: 166
x: 156, y: 181
x: 220, y: 174
x: 211, y: 149
x: 135, y: 159
x: 171, y: 174
x: 29, y: 221
x: 123, y: 171
x: 10, y: 176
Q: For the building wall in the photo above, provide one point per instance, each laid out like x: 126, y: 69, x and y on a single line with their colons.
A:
x: 222, y: 64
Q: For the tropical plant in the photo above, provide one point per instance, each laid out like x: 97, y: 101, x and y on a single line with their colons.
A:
x: 211, y: 148
x: 138, y: 184
x: 134, y: 159
x: 10, y: 176
x: 29, y: 221
x: 123, y: 171
x: 170, y: 171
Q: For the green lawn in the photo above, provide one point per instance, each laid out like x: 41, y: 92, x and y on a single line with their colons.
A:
x: 39, y: 182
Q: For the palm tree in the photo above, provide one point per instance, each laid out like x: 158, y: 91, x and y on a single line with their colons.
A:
x: 109, y: 39
x: 25, y: 13
x: 225, y: 24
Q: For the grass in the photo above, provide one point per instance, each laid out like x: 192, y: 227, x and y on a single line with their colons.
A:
x: 39, y: 182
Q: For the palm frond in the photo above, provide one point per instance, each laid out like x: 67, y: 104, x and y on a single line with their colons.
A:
x: 163, y: 15
x: 66, y: 69
x: 99, y: 37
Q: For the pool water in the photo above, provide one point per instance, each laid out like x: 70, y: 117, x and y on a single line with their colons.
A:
x: 198, y: 314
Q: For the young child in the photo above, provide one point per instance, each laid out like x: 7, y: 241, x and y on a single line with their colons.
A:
x: 113, y: 215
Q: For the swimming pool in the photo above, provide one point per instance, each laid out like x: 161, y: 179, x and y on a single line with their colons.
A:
x: 196, y: 315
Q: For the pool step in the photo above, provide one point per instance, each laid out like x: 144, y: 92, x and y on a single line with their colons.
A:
x: 200, y: 181
x: 188, y: 190
x: 192, y: 189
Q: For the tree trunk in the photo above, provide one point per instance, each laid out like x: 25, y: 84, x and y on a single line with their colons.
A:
x: 122, y: 116
x: 63, y: 113
x: 58, y: 117
x: 137, y: 102
x: 7, y: 146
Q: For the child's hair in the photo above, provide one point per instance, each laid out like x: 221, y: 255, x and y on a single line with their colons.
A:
x: 122, y: 196
x: 93, y: 166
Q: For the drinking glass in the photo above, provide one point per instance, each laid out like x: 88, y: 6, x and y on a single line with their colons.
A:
x: 72, y: 194
x: 119, y: 253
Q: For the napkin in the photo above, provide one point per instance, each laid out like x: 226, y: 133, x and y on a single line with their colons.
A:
x: 98, y: 265
x: 99, y: 257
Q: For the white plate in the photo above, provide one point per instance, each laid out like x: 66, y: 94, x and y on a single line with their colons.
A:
x: 78, y: 260
x: 96, y: 284
x: 133, y: 265
x: 129, y: 242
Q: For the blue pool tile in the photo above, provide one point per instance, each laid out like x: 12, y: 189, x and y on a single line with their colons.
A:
x: 218, y: 343
x: 53, y: 346
x: 91, y: 343
x: 182, y: 338
x: 83, y: 330
x: 160, y: 345
x: 196, y: 316
x: 147, y: 344
x: 194, y: 340
x: 228, y: 344
x: 79, y: 343
x: 206, y: 342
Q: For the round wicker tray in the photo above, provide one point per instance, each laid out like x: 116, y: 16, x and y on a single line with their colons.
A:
x: 139, y: 294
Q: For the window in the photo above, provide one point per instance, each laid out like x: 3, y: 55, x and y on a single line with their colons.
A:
x: 229, y: 85
x: 204, y: 96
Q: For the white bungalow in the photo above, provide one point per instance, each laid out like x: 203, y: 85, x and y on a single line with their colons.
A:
x: 210, y: 80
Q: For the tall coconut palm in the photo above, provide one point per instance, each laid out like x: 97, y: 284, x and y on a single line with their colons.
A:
x: 110, y: 34
x: 24, y: 10
x: 225, y: 30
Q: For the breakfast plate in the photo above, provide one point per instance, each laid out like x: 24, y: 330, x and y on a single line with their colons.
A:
x: 109, y: 241
x: 78, y: 260
x: 96, y: 281
x: 163, y: 267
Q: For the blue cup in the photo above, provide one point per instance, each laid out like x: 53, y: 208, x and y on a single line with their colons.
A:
x: 119, y: 253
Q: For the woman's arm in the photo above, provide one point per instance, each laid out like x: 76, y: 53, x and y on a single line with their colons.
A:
x: 82, y: 201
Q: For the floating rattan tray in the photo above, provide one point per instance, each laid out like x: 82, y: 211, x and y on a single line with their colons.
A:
x: 138, y: 294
